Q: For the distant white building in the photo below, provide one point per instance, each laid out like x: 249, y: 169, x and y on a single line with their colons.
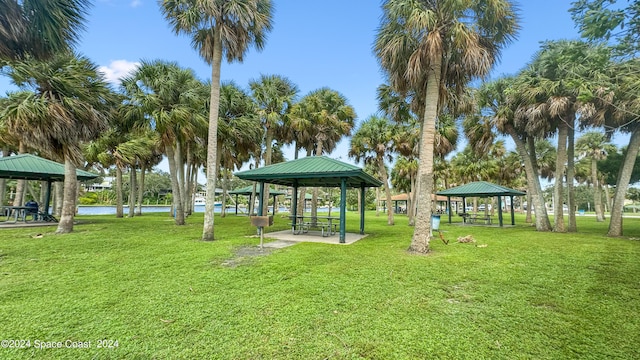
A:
x: 106, y: 184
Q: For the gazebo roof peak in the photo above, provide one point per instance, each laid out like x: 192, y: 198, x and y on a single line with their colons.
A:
x: 312, y: 171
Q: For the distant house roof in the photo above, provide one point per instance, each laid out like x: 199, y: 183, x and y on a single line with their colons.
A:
x: 31, y: 167
x: 311, y: 171
x: 480, y: 189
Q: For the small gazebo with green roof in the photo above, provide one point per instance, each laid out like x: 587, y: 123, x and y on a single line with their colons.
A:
x: 31, y: 167
x: 482, y: 189
x: 315, y: 171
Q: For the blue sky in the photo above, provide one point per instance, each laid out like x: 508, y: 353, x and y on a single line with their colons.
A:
x: 313, y: 43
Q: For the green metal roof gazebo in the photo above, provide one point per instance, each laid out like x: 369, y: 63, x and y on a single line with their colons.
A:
x: 31, y: 167
x: 482, y: 189
x: 248, y: 191
x: 315, y: 171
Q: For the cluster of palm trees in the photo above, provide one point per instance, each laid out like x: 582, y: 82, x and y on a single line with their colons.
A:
x: 430, y: 52
x: 568, y: 87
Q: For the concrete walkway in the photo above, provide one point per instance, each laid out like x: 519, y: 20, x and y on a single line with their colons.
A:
x: 286, y: 238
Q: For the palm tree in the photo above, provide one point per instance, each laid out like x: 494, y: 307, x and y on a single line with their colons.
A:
x: 501, y: 101
x: 373, y: 142
x: 39, y: 29
x: 217, y: 28
x: 170, y: 101
x: 274, y: 96
x: 557, y: 87
x: 433, y: 48
x: 64, y: 102
x: 595, y: 147
x: 326, y: 117
x: 240, y: 131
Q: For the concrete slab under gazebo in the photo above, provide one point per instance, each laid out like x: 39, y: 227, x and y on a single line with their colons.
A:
x: 31, y: 167
x: 248, y: 191
x: 315, y: 171
x: 482, y: 189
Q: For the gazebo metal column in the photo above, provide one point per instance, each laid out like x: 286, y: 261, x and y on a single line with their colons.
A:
x: 294, y: 205
x: 362, y: 202
x: 343, y: 209
x: 261, y: 200
x: 513, y: 219
x: 500, y: 210
x: 449, y: 207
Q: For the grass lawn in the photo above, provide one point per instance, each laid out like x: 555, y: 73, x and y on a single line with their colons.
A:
x: 161, y: 293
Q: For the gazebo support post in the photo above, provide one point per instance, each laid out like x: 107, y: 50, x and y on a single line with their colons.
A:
x: 449, y: 207
x: 294, y: 205
x: 236, y: 204
x: 362, y: 189
x: 343, y: 209
x: 47, y: 198
x: 513, y: 219
x: 500, y: 210
x: 261, y: 199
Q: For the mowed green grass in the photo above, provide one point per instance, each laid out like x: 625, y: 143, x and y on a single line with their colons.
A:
x: 163, y: 294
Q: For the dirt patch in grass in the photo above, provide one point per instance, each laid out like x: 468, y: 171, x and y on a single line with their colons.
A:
x: 244, y: 255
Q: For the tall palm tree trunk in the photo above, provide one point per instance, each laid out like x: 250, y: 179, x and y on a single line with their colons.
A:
x: 59, y: 194
x: 571, y: 170
x: 178, y: 208
x: 180, y: 164
x: 624, y: 176
x: 597, y: 193
x: 119, y: 200
x: 421, y: 232
x: 69, y: 201
x: 133, y: 184
x: 267, y: 162
x: 212, y: 143
x: 533, y: 180
x: 18, y: 199
x: 143, y: 170
x: 558, y: 188
x: 411, y: 208
x: 387, y: 190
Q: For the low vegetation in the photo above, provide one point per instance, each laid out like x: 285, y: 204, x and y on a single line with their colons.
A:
x: 160, y: 292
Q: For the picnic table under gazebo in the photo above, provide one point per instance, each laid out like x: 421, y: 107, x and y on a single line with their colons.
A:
x: 315, y: 171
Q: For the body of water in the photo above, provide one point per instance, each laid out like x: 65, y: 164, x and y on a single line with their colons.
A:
x: 111, y: 210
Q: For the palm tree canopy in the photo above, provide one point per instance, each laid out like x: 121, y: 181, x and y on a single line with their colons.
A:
x: 234, y: 24
x: 64, y: 101
x: 466, y: 36
x: 325, y: 116
x: 39, y: 28
x: 373, y: 139
x: 168, y: 99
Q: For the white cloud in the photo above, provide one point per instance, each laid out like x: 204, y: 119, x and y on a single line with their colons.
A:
x: 135, y: 3
x: 118, y: 69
